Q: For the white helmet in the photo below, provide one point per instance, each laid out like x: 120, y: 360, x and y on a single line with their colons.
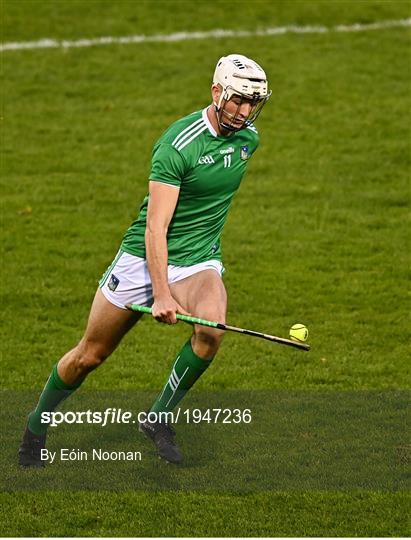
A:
x: 239, y: 75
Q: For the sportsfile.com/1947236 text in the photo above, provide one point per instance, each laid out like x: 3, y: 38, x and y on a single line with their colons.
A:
x: 119, y: 416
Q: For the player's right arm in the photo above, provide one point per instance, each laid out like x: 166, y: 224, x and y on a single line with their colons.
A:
x: 161, y: 205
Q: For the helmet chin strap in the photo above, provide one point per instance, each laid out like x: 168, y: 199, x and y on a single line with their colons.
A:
x: 219, y: 111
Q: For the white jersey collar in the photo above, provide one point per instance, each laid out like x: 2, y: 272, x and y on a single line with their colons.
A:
x: 208, y: 123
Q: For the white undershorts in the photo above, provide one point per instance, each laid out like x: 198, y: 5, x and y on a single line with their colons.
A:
x: 127, y: 279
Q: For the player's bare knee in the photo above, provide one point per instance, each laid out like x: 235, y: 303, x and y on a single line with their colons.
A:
x: 90, y: 358
x: 208, y: 337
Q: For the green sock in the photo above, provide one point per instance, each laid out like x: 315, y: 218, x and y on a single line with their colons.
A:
x: 187, y: 368
x: 54, y: 392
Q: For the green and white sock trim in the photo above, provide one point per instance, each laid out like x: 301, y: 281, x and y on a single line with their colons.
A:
x: 187, y: 368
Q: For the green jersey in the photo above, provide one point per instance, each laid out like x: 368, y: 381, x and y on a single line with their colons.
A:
x: 207, y: 168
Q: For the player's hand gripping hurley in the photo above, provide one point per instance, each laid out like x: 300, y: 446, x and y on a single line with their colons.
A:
x: 195, y: 320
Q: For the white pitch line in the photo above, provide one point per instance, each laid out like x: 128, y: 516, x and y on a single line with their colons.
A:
x: 186, y: 36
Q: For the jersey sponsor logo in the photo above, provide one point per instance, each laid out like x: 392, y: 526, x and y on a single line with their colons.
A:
x: 113, y: 283
x: 244, y: 155
x: 206, y: 160
x: 229, y: 150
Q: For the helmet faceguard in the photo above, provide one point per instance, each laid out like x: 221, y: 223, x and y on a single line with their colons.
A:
x: 229, y: 121
x: 242, y: 81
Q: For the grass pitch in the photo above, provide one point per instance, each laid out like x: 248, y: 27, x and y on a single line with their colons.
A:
x: 317, y: 233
